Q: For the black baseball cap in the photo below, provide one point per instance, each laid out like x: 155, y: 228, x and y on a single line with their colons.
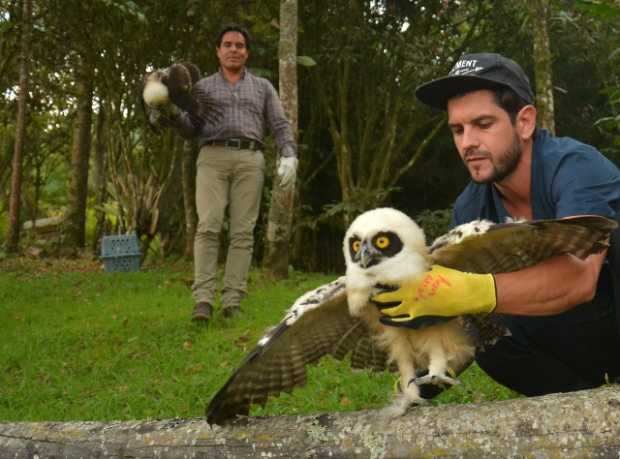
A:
x: 473, y: 72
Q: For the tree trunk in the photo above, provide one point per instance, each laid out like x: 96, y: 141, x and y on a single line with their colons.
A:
x: 7, y: 145
x: 38, y: 184
x: 100, y: 176
x: 172, y: 218
x: 188, y: 171
x: 540, y: 11
x: 282, y: 198
x: 12, y: 240
x: 80, y: 153
x: 577, y: 424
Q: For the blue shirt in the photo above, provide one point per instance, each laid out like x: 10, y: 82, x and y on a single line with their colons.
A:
x: 568, y: 178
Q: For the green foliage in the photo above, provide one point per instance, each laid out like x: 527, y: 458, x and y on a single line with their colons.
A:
x: 359, y: 63
x: 126, y: 7
x: 306, y: 61
x: 605, y: 10
x: 80, y: 344
x: 609, y: 126
x: 363, y: 201
x: 606, y: 14
x: 368, y: 65
x: 434, y: 223
x: 4, y: 222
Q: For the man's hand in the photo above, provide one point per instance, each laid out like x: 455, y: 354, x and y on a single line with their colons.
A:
x: 287, y: 169
x: 162, y: 115
x: 441, y: 292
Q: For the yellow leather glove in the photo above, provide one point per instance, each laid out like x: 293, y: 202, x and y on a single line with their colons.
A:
x: 438, y: 295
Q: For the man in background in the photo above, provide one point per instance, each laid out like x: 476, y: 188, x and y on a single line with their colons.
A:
x: 230, y: 169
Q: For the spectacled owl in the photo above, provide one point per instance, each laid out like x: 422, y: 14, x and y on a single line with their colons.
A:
x: 383, y: 247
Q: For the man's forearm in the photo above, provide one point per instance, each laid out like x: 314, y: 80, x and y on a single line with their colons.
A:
x: 181, y: 122
x: 551, y: 287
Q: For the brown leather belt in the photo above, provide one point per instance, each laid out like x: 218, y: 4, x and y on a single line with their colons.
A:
x: 239, y: 144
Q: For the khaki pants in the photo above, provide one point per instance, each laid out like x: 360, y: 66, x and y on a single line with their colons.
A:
x: 230, y: 178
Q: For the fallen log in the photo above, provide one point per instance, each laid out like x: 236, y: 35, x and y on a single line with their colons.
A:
x: 577, y: 424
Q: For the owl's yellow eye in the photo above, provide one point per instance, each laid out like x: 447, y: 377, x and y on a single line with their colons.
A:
x: 382, y: 242
x: 356, y: 245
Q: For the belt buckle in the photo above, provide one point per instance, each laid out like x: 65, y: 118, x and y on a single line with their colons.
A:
x: 236, y: 143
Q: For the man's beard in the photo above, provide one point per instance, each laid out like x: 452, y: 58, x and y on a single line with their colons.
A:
x: 503, y: 165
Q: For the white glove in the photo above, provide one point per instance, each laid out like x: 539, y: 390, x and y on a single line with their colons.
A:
x: 287, y: 169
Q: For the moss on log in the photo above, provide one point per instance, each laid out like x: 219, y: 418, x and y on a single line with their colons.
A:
x: 578, y: 424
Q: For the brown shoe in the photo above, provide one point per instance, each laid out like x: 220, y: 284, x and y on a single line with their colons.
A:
x: 202, y: 312
x: 229, y: 311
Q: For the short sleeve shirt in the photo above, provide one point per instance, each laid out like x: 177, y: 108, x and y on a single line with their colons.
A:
x: 568, y: 178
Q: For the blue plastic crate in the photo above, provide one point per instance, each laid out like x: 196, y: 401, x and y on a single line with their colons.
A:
x: 120, y: 253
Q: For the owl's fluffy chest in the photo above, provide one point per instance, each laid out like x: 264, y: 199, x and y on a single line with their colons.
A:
x: 362, y: 284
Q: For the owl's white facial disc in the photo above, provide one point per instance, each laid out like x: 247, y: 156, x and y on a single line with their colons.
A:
x: 383, y: 245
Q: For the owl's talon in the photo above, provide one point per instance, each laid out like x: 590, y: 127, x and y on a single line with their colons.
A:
x: 416, y: 381
x: 436, y: 380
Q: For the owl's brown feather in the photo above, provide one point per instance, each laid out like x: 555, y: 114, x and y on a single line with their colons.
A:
x: 512, y: 246
x: 318, y: 325
x: 180, y: 79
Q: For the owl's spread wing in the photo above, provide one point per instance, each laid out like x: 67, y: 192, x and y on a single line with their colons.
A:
x: 512, y: 246
x: 317, y: 324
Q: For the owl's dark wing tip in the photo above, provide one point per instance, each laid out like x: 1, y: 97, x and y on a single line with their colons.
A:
x: 239, y: 392
x: 317, y: 324
x: 221, y: 415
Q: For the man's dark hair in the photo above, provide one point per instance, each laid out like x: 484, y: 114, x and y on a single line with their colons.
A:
x: 505, y: 98
x: 509, y: 101
x: 234, y: 28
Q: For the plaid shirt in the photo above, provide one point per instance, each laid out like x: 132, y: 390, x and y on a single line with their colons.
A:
x: 247, y: 109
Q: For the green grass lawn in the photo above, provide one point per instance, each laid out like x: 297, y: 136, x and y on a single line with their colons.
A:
x: 80, y: 344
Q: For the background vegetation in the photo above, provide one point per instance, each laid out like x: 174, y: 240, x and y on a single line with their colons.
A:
x: 364, y: 139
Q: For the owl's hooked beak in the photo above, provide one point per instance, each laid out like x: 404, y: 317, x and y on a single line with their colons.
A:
x: 368, y: 255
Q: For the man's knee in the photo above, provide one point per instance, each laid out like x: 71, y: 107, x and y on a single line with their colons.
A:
x: 529, y: 371
x: 241, y: 239
x: 209, y: 229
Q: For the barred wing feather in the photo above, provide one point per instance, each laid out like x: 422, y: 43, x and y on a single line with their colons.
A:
x: 512, y: 246
x: 316, y: 325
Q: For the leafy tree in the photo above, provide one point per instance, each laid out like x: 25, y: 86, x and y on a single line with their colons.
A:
x: 369, y: 63
x: 364, y: 140
x: 599, y: 24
